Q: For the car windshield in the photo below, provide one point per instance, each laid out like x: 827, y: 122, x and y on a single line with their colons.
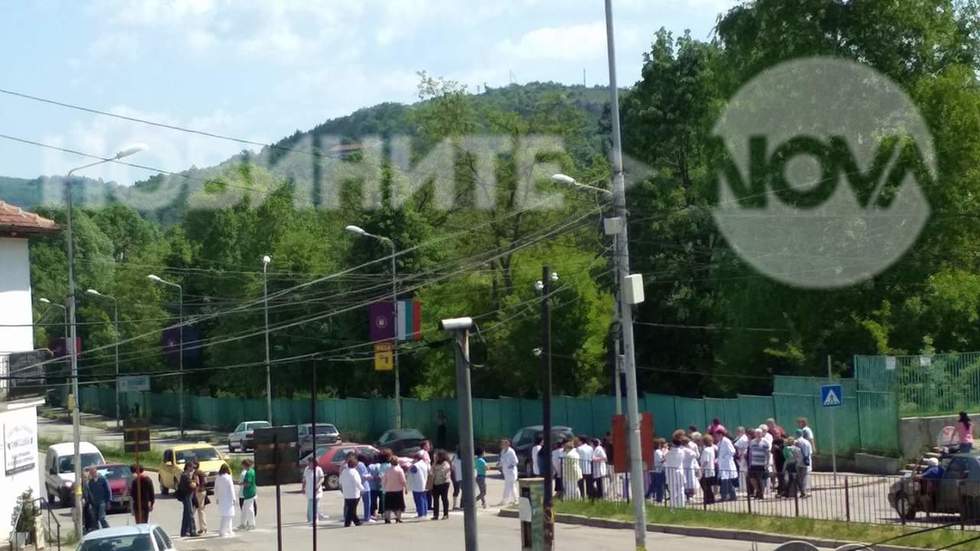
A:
x: 129, y: 542
x: 67, y: 464
x: 407, y: 434
x: 201, y: 454
x: 114, y: 472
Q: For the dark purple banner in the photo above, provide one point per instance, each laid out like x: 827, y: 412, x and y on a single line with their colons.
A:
x: 382, y: 322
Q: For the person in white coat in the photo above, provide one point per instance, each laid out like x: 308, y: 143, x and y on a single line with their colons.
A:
x: 571, y: 470
x: 586, y: 486
x: 707, y: 463
x: 600, y: 469
x: 350, y: 486
x: 224, y: 493
x: 313, y: 488
x: 508, y: 468
x: 691, y: 466
x: 727, y: 471
x: 741, y: 444
x: 536, y: 456
x: 676, y: 457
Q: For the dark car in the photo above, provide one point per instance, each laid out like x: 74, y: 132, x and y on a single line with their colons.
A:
x: 957, y: 492
x: 326, y: 434
x: 525, y: 438
x: 331, y: 460
x: 402, y: 442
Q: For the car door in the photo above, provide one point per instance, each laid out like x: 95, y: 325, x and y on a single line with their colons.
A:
x: 236, y: 436
x: 949, y: 495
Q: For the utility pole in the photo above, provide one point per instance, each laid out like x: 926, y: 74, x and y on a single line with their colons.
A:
x: 464, y: 397
x: 180, y: 347
x: 268, y: 365
x: 544, y: 457
x: 625, y: 302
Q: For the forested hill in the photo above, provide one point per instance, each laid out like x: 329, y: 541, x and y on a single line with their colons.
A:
x: 32, y: 193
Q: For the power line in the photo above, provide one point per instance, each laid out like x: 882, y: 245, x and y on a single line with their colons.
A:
x: 711, y: 327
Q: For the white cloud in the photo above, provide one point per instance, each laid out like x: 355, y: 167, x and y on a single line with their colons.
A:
x: 568, y: 43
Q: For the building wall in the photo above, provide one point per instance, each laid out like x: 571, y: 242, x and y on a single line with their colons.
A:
x: 19, y: 424
x: 15, y: 297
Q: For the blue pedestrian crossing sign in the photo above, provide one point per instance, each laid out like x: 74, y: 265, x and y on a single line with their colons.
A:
x: 831, y: 396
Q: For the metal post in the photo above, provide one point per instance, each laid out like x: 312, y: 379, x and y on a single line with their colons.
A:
x: 847, y: 499
x: 73, y: 353
x: 115, y: 321
x: 544, y: 458
x: 275, y: 460
x: 617, y: 356
x: 316, y: 506
x: 394, y: 347
x: 465, y: 400
x: 180, y: 360
x: 833, y: 428
x: 626, y: 314
x: 268, y: 364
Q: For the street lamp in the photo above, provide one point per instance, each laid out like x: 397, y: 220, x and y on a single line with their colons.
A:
x: 180, y: 349
x: 357, y: 230
x: 115, y: 322
x: 76, y: 425
x: 268, y: 366
x: 567, y: 180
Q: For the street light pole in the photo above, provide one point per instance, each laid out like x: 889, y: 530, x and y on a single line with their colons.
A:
x: 626, y: 312
x: 180, y: 348
x: 73, y: 331
x: 544, y: 456
x: 115, y: 323
x: 268, y: 365
x: 394, y: 314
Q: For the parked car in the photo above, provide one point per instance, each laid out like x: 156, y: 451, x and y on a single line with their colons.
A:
x: 524, y: 441
x: 331, y: 460
x: 402, y: 442
x: 174, y: 459
x: 141, y: 537
x: 326, y: 434
x: 958, y: 491
x: 243, y: 436
x: 59, y: 468
x: 119, y: 477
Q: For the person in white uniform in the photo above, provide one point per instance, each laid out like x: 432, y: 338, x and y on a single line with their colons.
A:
x: 741, y: 455
x: 224, y: 493
x: 727, y: 471
x: 508, y: 467
x: 676, y: 457
x: 586, y: 485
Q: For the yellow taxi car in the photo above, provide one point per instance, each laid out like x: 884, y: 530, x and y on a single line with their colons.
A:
x: 175, y: 457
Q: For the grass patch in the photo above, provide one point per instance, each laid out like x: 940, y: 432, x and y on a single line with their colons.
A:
x: 826, y: 529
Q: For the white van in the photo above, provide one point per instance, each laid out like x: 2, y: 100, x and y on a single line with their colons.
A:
x: 59, y: 468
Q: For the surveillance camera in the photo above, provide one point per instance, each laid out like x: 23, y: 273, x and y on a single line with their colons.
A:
x: 536, y: 352
x: 456, y: 324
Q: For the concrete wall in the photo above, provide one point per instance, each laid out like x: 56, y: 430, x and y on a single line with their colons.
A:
x: 916, y: 434
x: 15, y: 297
x: 18, y: 423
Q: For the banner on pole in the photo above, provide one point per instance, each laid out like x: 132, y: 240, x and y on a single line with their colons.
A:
x: 384, y: 356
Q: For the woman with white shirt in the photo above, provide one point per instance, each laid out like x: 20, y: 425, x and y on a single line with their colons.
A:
x: 571, y: 471
x: 508, y: 467
x: 224, y: 493
x: 727, y: 471
x: 557, y: 460
x: 600, y: 469
x: 691, y: 466
x: 707, y: 462
x: 350, y: 486
x: 676, y: 457
x: 741, y: 457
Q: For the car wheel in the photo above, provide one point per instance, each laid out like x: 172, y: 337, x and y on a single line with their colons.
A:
x: 163, y: 489
x: 231, y: 448
x: 332, y: 482
x: 904, y: 507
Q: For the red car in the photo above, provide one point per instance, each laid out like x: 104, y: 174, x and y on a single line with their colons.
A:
x: 331, y: 459
x: 119, y: 477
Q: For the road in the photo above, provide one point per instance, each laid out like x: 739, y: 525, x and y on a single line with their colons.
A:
x: 494, y: 532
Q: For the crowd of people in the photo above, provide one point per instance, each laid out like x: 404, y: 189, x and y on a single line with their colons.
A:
x: 755, y: 461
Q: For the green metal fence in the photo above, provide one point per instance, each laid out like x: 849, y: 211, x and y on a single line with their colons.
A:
x: 935, y: 384
x: 868, y: 420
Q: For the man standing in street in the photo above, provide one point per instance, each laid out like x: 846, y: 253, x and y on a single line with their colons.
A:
x: 99, y: 495
x: 248, y: 495
x: 186, y: 488
x: 313, y: 488
x: 141, y: 493
x: 508, y: 468
x: 586, y: 486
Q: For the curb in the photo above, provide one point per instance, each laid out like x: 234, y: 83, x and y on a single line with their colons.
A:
x: 704, y: 532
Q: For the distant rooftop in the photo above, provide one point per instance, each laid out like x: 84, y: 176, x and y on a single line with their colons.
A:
x: 16, y: 222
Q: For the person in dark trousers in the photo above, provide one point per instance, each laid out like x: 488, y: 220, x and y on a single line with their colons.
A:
x: 350, y: 486
x: 141, y: 493
x: 185, y: 494
x: 441, y: 476
x: 99, y: 495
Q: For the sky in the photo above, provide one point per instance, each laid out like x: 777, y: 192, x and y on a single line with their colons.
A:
x: 261, y: 70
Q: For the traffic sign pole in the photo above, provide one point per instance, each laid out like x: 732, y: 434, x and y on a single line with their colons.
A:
x: 833, y: 432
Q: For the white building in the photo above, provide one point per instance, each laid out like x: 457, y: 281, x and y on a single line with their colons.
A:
x: 18, y: 419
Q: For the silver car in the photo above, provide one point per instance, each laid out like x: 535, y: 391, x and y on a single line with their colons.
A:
x: 242, y: 439
x: 142, y: 537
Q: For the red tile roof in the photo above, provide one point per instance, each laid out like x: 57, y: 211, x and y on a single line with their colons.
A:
x: 16, y: 222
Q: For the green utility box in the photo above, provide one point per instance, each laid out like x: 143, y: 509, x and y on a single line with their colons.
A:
x: 532, y: 514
